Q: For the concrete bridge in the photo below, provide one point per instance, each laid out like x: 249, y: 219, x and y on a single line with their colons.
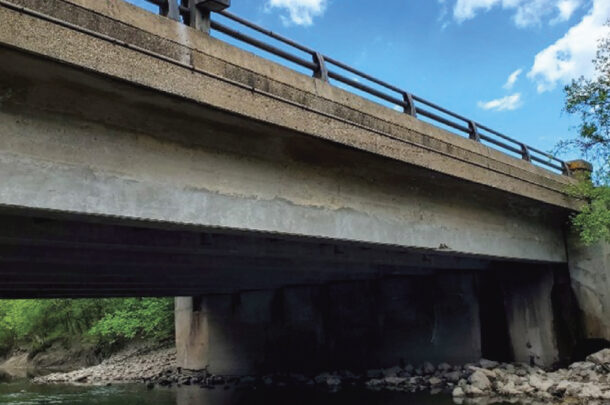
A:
x: 306, y: 227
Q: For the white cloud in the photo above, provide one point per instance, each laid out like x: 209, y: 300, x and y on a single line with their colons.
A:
x: 566, y: 9
x: 443, y: 14
x: 526, y: 12
x: 507, y: 103
x: 570, y: 56
x: 300, y: 12
x: 529, y: 13
x: 467, y: 9
x: 512, y: 79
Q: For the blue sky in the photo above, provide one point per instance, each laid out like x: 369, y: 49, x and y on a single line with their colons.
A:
x: 501, y: 62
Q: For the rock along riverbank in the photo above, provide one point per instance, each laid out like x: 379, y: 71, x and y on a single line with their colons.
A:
x: 484, y: 382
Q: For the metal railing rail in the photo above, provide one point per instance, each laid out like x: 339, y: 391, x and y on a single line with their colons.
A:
x: 321, y: 66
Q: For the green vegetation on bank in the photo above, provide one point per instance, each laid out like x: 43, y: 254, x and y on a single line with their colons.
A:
x: 589, y: 99
x: 38, y: 323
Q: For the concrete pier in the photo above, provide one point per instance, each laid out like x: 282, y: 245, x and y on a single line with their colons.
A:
x: 529, y: 310
x: 371, y: 324
x: 348, y: 325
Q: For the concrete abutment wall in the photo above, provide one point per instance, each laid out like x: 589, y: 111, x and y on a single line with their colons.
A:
x: 590, y: 277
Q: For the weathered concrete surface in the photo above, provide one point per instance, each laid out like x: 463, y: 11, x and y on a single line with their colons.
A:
x: 192, y: 340
x: 75, y: 142
x: 590, y: 273
x: 67, y: 255
x: 174, y: 59
x: 529, y: 310
x: 341, y: 325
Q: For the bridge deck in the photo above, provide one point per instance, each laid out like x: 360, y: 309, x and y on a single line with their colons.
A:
x: 164, y: 55
x: 113, y: 112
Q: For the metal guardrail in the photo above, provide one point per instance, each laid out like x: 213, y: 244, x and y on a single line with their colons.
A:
x: 190, y: 12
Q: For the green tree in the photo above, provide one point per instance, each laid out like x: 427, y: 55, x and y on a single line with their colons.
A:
x: 589, y: 99
x: 38, y: 323
x: 132, y: 318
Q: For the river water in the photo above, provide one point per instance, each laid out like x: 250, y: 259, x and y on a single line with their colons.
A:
x: 18, y: 390
x: 24, y: 393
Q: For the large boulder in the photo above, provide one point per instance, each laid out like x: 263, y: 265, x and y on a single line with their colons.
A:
x: 479, y: 380
x: 488, y: 364
x: 541, y: 384
x: 602, y: 358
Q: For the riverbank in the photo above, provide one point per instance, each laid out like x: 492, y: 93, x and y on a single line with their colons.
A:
x: 135, y: 363
x: 59, y: 356
x: 483, y: 382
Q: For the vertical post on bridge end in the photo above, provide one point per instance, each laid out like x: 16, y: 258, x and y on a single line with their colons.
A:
x: 581, y: 169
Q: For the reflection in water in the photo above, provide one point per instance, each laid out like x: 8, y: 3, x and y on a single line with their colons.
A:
x: 303, y: 396
x: 4, y: 376
x: 23, y: 393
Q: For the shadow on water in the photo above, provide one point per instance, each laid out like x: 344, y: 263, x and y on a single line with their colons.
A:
x: 5, y: 377
x: 195, y: 396
x: 24, y: 393
x: 21, y: 392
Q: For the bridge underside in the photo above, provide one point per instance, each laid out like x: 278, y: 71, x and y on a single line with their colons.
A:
x: 45, y: 255
x: 264, y: 302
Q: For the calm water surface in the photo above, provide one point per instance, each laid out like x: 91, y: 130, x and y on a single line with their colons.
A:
x: 24, y: 393
x: 21, y: 392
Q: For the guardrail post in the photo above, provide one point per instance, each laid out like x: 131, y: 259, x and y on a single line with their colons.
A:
x: 474, y: 132
x: 198, y: 18
x: 321, y: 70
x: 171, y: 9
x: 525, y: 153
x: 410, y: 105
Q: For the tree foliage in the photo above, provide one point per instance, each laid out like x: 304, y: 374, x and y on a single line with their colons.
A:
x: 593, y: 221
x: 589, y: 99
x: 133, y: 317
x: 38, y: 322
